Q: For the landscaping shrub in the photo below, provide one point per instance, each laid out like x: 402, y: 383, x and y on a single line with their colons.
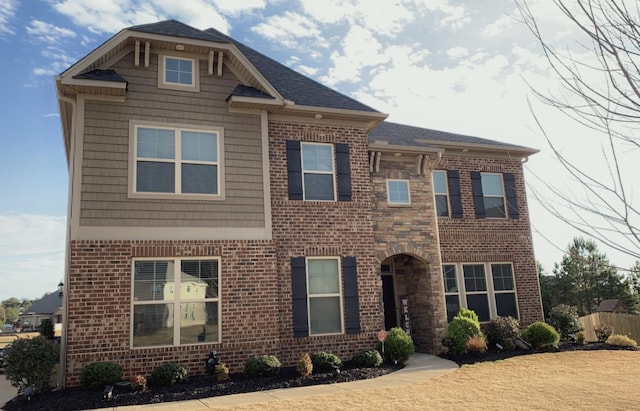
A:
x: 325, y: 361
x: 262, y: 365
x: 470, y: 314
x: 541, y: 336
x: 170, y: 373
x: 30, y: 362
x: 97, y: 375
x: 367, y: 358
x: 603, y: 332
x: 304, y: 365
x: 477, y: 344
x: 459, y: 331
x: 621, y: 340
x: 46, y: 329
x: 580, y: 338
x: 398, y: 346
x: 501, y: 329
x: 564, y: 318
x: 138, y: 383
x: 222, y: 372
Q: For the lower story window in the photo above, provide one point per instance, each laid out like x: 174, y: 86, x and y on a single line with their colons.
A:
x: 466, y: 285
x: 175, y: 302
x: 325, y: 302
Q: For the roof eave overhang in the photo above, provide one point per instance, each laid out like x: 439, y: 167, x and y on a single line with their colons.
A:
x: 495, y: 148
x: 398, y: 149
x: 371, y: 118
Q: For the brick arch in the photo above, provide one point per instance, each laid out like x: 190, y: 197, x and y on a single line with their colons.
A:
x: 403, y: 249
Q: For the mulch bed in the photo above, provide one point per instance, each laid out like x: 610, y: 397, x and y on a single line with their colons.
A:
x: 203, y: 386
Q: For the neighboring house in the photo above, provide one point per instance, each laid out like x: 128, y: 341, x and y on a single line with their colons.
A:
x: 220, y: 200
x: 611, y: 306
x: 47, y: 307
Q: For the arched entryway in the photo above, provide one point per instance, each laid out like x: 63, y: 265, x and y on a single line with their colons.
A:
x: 410, y: 297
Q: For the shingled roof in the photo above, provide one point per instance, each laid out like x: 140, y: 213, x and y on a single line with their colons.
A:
x: 403, y: 135
x: 289, y: 83
x: 46, y: 305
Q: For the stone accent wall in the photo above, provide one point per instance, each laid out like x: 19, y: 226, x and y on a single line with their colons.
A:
x: 493, y: 240
x: 411, y: 231
x: 324, y: 228
x: 99, y: 298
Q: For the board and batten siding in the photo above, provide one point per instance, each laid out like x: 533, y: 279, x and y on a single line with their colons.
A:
x: 104, y: 198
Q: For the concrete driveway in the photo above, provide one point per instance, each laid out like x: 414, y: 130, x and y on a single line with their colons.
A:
x: 7, y: 392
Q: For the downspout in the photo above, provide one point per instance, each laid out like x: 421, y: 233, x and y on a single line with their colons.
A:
x: 65, y: 304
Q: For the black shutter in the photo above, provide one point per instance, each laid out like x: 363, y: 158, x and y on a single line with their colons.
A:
x: 512, y: 198
x: 299, y: 297
x: 351, y: 303
x: 478, y: 200
x: 453, y: 179
x: 343, y: 171
x: 294, y: 170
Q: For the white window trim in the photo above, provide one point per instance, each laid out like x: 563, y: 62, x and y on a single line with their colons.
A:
x: 396, y: 204
x: 133, y: 158
x: 339, y: 295
x: 490, y: 292
x: 162, y: 73
x: 450, y: 293
x: 332, y: 172
x: 176, y: 301
x: 446, y: 193
x: 503, y: 197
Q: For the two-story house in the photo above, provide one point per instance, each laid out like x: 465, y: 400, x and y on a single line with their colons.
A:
x: 220, y: 200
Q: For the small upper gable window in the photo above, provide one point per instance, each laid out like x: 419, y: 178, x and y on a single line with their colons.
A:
x: 178, y: 73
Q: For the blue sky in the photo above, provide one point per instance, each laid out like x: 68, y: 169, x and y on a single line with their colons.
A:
x: 452, y: 65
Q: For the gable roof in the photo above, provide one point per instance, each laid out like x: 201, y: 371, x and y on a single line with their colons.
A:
x: 291, y: 85
x: 46, y: 305
x: 611, y: 306
x: 394, y: 134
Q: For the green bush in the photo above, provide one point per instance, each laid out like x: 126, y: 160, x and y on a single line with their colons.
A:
x: 170, y: 373
x: 367, y: 358
x: 30, y: 362
x: 46, y: 329
x: 325, y: 361
x: 398, y: 346
x: 97, y: 375
x: 564, y: 318
x: 603, y: 332
x: 580, y: 338
x: 541, y: 336
x: 621, y: 340
x: 470, y: 314
x: 460, y: 330
x: 501, y: 329
x: 262, y: 365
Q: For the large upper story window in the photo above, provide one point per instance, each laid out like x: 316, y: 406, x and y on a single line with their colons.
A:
x: 441, y: 193
x: 398, y: 192
x: 493, y: 195
x: 171, y: 161
x: 318, y: 171
x: 178, y: 73
x: 175, y: 302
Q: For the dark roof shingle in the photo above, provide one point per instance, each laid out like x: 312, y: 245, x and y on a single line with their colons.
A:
x: 102, y: 75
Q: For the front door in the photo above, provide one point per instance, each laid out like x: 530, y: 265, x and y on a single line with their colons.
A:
x: 389, y: 302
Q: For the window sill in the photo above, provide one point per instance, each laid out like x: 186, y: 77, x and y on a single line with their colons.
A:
x: 184, y: 197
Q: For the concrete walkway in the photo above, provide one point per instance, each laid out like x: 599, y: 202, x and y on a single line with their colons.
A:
x: 7, y: 391
x: 420, y: 367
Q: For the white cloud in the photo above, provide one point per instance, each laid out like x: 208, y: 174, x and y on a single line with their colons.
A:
x: 112, y: 16
x: 498, y: 27
x: 58, y: 61
x: 7, y: 12
x: 32, y: 252
x: 288, y: 29
x: 235, y: 7
x: 47, y: 32
x: 456, y: 53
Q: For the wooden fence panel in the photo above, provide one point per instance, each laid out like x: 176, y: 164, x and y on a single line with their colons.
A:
x: 625, y: 324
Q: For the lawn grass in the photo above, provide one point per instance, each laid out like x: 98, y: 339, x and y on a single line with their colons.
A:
x: 8, y: 339
x: 579, y: 380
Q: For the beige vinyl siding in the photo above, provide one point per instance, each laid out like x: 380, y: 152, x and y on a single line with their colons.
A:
x: 104, y: 200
